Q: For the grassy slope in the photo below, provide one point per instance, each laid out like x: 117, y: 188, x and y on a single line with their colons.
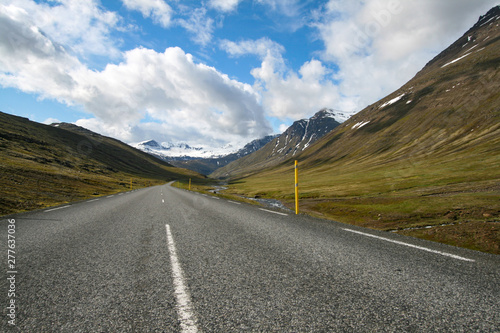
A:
x: 43, y: 165
x: 431, y: 158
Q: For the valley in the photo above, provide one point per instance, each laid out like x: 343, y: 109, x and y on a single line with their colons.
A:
x: 423, y: 161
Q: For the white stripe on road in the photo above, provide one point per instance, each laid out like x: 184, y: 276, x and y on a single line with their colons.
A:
x: 184, y: 309
x: 410, y: 245
x: 92, y: 200
x: 49, y: 210
x: 272, y: 211
x: 234, y: 202
x: 163, y: 201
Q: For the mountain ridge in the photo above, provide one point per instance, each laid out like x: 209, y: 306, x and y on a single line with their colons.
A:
x: 299, y: 136
x: 44, y: 165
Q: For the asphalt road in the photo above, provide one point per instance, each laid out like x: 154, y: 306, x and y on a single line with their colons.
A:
x: 167, y: 260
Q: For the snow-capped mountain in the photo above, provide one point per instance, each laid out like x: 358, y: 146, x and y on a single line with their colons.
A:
x: 208, y: 165
x: 294, y: 140
x: 181, y: 151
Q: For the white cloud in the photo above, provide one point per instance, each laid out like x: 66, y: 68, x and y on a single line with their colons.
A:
x: 224, y: 5
x: 295, y: 95
x: 285, y: 7
x: 285, y: 93
x: 260, y: 47
x: 379, y: 45
x: 83, y: 26
x: 199, y: 25
x: 49, y: 121
x: 158, y: 10
x: 29, y: 60
x: 168, y: 88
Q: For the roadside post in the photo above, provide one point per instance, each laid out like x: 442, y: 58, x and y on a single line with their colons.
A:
x: 296, y: 188
x: 190, y: 184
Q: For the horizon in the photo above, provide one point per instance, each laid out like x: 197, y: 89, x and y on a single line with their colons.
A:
x: 195, y: 73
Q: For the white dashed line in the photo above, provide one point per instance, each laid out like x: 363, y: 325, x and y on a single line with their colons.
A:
x: 49, y: 210
x: 234, y: 202
x: 92, y: 200
x: 184, y: 309
x: 410, y: 245
x: 271, y: 211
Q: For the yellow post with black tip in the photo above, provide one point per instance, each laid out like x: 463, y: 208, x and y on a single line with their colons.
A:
x: 296, y: 188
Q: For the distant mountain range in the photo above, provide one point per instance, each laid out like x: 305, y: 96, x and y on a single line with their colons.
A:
x: 205, y: 161
x: 180, y: 151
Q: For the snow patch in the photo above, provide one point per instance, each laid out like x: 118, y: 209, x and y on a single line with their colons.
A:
x: 392, y: 101
x: 360, y: 124
x: 465, y: 55
x: 454, y: 61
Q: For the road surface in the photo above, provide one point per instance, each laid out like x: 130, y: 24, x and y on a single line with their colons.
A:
x: 163, y: 259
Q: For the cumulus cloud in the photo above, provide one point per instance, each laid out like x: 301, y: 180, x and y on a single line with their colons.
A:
x: 168, y: 87
x: 82, y: 26
x: 295, y: 95
x: 158, y: 10
x: 286, y: 94
x: 379, y: 45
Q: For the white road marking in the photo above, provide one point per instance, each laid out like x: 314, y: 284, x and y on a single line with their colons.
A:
x: 49, y: 210
x: 92, y: 200
x: 214, y: 197
x: 120, y: 194
x: 234, y: 202
x: 272, y: 211
x: 163, y: 201
x: 184, y: 308
x: 410, y: 245
x: 110, y: 196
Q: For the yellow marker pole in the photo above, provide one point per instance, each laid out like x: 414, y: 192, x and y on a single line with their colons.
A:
x: 131, y: 184
x: 190, y: 184
x: 296, y: 189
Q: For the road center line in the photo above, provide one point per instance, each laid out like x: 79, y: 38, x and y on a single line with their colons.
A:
x: 184, y: 308
x: 410, y: 245
x: 271, y: 211
x: 49, y: 210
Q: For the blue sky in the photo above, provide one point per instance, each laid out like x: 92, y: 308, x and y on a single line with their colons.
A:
x: 213, y: 72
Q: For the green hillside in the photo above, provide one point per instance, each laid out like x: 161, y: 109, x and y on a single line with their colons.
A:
x: 424, y: 161
x: 43, y: 165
